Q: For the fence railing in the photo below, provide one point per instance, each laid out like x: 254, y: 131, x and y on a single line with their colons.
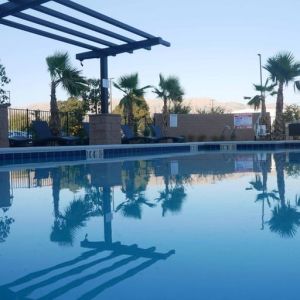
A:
x: 19, y: 121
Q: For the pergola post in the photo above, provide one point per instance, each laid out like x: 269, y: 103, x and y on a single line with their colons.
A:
x: 4, y: 125
x: 104, y: 84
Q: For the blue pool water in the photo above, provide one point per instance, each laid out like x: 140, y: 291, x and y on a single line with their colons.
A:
x: 211, y: 226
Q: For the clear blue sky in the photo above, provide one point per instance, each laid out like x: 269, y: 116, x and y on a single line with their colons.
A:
x: 214, y: 46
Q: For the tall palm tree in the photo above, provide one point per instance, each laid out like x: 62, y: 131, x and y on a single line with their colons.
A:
x: 283, y: 69
x: 64, y: 74
x: 168, y: 90
x: 133, y: 94
x: 259, y: 101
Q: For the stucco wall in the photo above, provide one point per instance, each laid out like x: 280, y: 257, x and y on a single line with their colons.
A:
x: 207, y: 127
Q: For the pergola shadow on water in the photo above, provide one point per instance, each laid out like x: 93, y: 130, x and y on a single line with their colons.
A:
x: 106, y: 258
x: 131, y: 258
x: 104, y: 44
x: 106, y: 264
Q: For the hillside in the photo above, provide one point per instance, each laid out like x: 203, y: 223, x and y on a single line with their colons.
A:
x: 196, y: 103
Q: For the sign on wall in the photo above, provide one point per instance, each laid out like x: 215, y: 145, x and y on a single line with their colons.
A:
x: 243, y: 121
x: 173, y: 120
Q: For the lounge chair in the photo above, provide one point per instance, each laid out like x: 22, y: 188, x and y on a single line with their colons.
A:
x: 158, y: 136
x: 86, y: 132
x: 19, y: 141
x: 43, y: 135
x: 129, y: 137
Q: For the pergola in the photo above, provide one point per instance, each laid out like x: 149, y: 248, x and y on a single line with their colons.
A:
x: 107, y: 43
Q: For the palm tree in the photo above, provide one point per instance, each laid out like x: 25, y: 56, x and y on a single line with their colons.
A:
x: 283, y: 69
x: 64, y: 74
x: 133, y: 94
x: 260, y: 100
x: 169, y: 90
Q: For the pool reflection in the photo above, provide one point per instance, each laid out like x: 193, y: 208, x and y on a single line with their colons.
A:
x: 133, y: 177
x: 97, y: 182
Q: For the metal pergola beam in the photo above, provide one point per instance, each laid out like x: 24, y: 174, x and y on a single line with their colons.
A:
x: 47, y: 34
x: 112, y: 51
x: 81, y: 23
x: 64, y: 29
x: 104, y: 18
x: 7, y: 9
x: 70, y: 19
x: 15, y: 8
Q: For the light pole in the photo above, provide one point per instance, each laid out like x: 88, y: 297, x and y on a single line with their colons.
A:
x: 212, y: 104
x: 260, y: 71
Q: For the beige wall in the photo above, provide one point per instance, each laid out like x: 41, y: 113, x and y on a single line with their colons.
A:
x: 207, y: 127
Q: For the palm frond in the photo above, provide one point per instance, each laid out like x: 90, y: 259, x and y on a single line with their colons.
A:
x: 255, y: 102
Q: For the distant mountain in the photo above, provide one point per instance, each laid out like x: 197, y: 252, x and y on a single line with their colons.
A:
x: 155, y: 105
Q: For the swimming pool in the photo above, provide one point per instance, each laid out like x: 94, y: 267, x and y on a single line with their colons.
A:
x: 208, y: 226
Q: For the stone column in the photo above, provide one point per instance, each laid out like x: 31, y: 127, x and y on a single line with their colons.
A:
x: 105, y: 129
x: 4, y: 126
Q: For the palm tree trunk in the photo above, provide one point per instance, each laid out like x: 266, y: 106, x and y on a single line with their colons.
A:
x: 279, y: 121
x: 165, y: 115
x: 279, y: 159
x: 54, y: 112
x: 130, y: 115
x: 56, y: 178
x: 263, y: 120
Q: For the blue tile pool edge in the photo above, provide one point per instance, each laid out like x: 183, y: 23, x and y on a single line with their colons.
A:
x: 104, y: 152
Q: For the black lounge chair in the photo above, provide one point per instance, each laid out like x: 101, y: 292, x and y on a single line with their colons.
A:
x: 86, y: 132
x: 129, y: 137
x: 158, y: 136
x: 43, y: 135
x: 19, y: 141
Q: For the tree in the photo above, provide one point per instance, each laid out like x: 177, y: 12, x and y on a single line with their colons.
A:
x: 133, y: 94
x: 283, y: 69
x: 92, y: 96
x: 64, y: 74
x: 291, y: 113
x: 214, y: 110
x: 4, y: 80
x: 169, y: 90
x: 141, y: 116
x: 73, y: 111
x: 260, y: 100
x: 180, y: 108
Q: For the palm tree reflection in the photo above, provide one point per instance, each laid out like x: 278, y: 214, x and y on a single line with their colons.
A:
x: 174, y: 195
x: 75, y: 216
x: 135, y: 177
x: 285, y: 218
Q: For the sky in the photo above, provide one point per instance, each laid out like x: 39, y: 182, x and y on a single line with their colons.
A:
x: 214, y: 47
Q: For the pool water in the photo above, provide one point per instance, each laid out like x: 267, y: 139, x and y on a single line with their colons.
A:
x: 211, y: 226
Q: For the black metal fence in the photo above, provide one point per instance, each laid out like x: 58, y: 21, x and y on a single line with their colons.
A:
x: 19, y: 121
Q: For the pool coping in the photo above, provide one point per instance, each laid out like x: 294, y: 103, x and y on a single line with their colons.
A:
x: 98, y: 153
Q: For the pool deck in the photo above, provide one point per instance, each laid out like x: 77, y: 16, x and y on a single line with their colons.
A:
x: 30, y: 155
